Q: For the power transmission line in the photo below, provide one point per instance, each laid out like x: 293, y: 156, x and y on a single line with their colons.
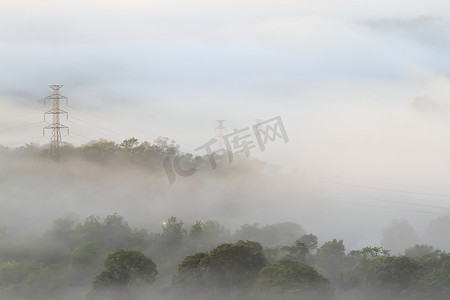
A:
x: 384, y: 189
x: 154, y: 134
x: 19, y: 113
x: 22, y: 140
x: 377, y: 182
x: 385, y: 207
x: 411, y: 204
x: 30, y: 125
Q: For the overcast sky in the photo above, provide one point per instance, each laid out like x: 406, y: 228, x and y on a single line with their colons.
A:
x: 362, y: 87
x: 340, y: 74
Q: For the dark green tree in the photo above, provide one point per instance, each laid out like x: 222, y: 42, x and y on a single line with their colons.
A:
x: 85, y: 255
x: 270, y: 235
x: 399, y: 236
x: 330, y: 258
x: 112, y: 234
x: 196, y: 229
x: 234, y: 267
x: 59, y: 241
x: 192, y: 276
x: 129, y: 144
x: 297, y: 252
x: 91, y: 229
x: 116, y: 232
x: 419, y: 250
x: 123, y: 268
x: 173, y: 235
x: 393, y: 274
x: 370, y: 252
x: 310, y: 240
x: 289, y: 279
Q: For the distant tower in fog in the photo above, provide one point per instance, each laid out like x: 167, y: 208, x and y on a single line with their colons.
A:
x: 220, y: 131
x: 55, y: 111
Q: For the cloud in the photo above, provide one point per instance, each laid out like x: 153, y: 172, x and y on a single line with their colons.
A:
x: 427, y: 105
x: 427, y: 31
x: 205, y: 60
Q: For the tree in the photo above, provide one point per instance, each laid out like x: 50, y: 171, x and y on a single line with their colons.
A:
x: 249, y: 232
x: 214, y: 227
x: 63, y: 230
x: 129, y: 144
x: 419, y: 250
x: 13, y: 272
x: 166, y: 146
x: 377, y: 275
x: 214, y: 232
x: 280, y: 233
x: 173, y: 235
x: 227, y: 269
x: 60, y: 240
x: 112, y: 234
x: 196, y: 229
x: 123, y: 268
x: 91, y: 229
x: 235, y: 267
x: 116, y: 232
x: 142, y: 239
x: 393, y: 274
x: 85, y: 255
x: 100, y: 149
x: 437, y: 233
x: 271, y: 235
x: 310, y: 240
x: 289, y: 279
x: 438, y: 280
x: 297, y: 252
x: 192, y: 275
x: 330, y: 258
x: 29, y: 149
x: 399, y: 236
x: 271, y: 254
x: 205, y: 236
x: 370, y: 252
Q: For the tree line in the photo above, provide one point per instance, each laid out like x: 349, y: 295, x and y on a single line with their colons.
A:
x: 107, y: 259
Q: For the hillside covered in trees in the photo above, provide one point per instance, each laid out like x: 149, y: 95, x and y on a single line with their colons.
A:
x: 107, y: 259
x: 234, y: 232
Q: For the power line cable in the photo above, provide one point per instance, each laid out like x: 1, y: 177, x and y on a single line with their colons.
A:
x: 384, y: 207
x: 412, y: 204
x: 383, y: 189
x: 22, y: 126
x: 129, y: 127
x: 103, y: 128
x: 20, y: 113
x: 382, y: 182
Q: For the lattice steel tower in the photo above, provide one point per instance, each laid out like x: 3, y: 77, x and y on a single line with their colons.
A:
x: 56, y: 140
x: 220, y: 131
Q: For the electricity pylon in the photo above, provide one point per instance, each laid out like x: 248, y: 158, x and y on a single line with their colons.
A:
x: 220, y: 131
x: 56, y: 140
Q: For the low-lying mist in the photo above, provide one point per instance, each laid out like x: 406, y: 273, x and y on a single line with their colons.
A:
x: 356, y: 177
x: 36, y: 190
